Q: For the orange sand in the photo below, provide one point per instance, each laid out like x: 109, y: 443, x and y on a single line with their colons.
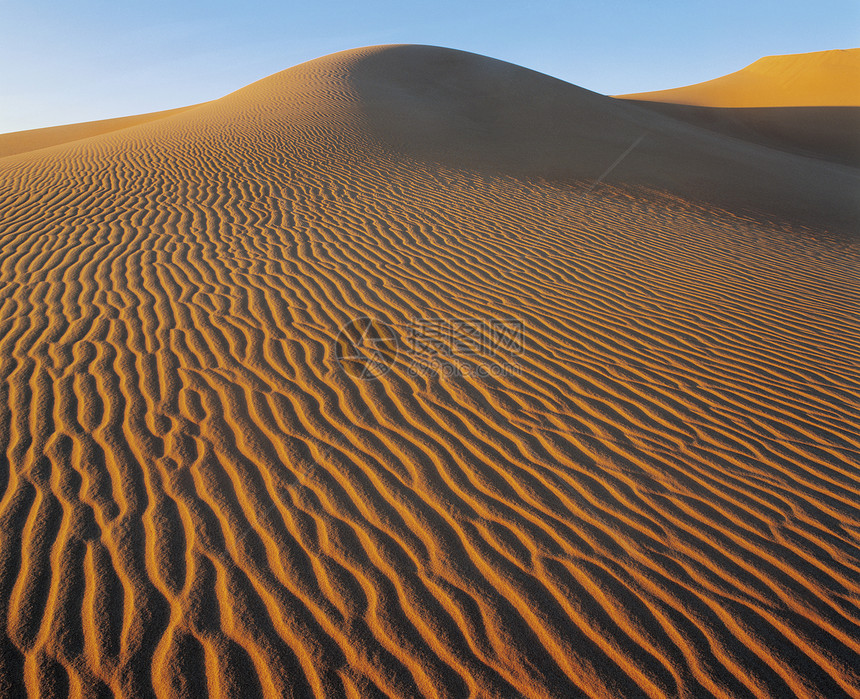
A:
x: 197, y: 497
x: 34, y: 139
x: 819, y: 79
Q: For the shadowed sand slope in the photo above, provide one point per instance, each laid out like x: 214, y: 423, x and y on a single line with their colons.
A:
x: 828, y: 133
x: 656, y: 495
x: 819, y: 79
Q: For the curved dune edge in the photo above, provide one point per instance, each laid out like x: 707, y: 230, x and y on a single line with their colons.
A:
x: 35, y: 139
x: 658, y: 496
x: 817, y: 79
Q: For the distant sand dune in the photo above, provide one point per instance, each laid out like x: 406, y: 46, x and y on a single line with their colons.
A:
x: 807, y: 104
x: 658, y: 497
x: 35, y: 139
x: 819, y: 79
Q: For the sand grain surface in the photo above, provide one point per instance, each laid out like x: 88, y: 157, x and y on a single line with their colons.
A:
x: 657, y: 496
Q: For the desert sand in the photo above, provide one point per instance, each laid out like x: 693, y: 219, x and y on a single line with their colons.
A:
x: 36, y: 139
x: 808, y: 104
x: 654, y: 494
x: 819, y: 79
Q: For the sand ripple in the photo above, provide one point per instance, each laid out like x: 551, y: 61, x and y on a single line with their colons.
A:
x: 659, y: 496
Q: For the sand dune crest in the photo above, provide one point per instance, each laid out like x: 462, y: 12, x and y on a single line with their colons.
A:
x: 818, y: 79
x: 807, y: 104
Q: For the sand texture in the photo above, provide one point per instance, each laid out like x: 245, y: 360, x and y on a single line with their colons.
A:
x: 655, y: 496
x: 35, y: 139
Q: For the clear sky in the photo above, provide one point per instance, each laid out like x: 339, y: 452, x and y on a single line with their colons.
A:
x: 79, y: 60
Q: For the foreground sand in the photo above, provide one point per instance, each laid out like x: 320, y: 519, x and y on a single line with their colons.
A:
x: 657, y: 497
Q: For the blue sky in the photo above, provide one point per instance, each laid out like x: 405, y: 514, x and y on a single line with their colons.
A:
x: 65, y: 62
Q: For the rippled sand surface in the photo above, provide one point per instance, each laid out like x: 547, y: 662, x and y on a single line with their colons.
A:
x: 651, y: 490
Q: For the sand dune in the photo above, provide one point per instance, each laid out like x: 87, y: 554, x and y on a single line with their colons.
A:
x: 657, y: 496
x: 807, y: 104
x: 819, y: 79
x: 35, y: 139
x: 827, y: 133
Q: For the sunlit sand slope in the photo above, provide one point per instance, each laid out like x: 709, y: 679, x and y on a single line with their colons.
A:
x: 34, y: 139
x: 657, y: 497
x: 819, y: 79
